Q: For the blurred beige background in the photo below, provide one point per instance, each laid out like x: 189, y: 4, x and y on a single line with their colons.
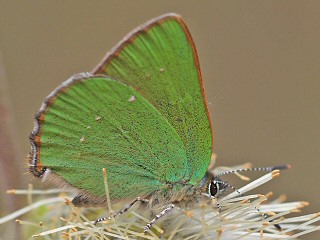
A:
x: 260, y: 63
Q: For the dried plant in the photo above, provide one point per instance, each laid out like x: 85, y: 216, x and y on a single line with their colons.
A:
x: 242, y: 217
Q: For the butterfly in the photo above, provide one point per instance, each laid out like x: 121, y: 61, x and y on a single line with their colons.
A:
x: 141, y: 114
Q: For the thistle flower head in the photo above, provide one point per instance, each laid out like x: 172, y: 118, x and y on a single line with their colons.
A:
x: 242, y: 216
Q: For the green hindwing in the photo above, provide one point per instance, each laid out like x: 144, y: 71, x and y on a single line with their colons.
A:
x: 95, y: 122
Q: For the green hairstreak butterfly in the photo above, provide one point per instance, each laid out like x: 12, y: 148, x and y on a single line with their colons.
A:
x: 141, y: 114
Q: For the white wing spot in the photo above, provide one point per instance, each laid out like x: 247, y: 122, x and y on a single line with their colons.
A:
x: 132, y: 99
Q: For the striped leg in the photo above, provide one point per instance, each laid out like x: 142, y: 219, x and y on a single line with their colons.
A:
x: 138, y: 199
x: 153, y: 221
x: 212, y: 198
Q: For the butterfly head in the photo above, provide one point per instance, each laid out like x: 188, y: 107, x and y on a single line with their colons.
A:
x: 217, y: 186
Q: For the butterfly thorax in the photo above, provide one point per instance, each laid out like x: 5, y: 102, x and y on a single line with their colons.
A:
x: 181, y: 193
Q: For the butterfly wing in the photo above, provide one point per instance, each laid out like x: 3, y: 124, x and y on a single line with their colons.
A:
x: 159, y: 60
x: 91, y: 122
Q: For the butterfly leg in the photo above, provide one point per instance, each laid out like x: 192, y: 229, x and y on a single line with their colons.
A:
x: 213, y: 198
x: 218, y: 204
x: 138, y: 199
x: 153, y: 221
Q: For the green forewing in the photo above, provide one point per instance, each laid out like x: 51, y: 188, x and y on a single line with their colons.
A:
x: 96, y: 122
x: 159, y: 61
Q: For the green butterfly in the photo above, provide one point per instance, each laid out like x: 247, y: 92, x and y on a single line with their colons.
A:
x: 141, y: 114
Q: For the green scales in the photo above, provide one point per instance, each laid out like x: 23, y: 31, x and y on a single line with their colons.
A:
x: 141, y: 114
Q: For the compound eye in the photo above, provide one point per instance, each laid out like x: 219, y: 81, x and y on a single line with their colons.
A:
x: 213, y: 188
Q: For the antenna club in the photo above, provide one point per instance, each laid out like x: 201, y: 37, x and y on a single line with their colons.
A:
x: 282, y: 167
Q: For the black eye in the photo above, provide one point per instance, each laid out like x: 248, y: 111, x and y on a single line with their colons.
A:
x: 213, y: 189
